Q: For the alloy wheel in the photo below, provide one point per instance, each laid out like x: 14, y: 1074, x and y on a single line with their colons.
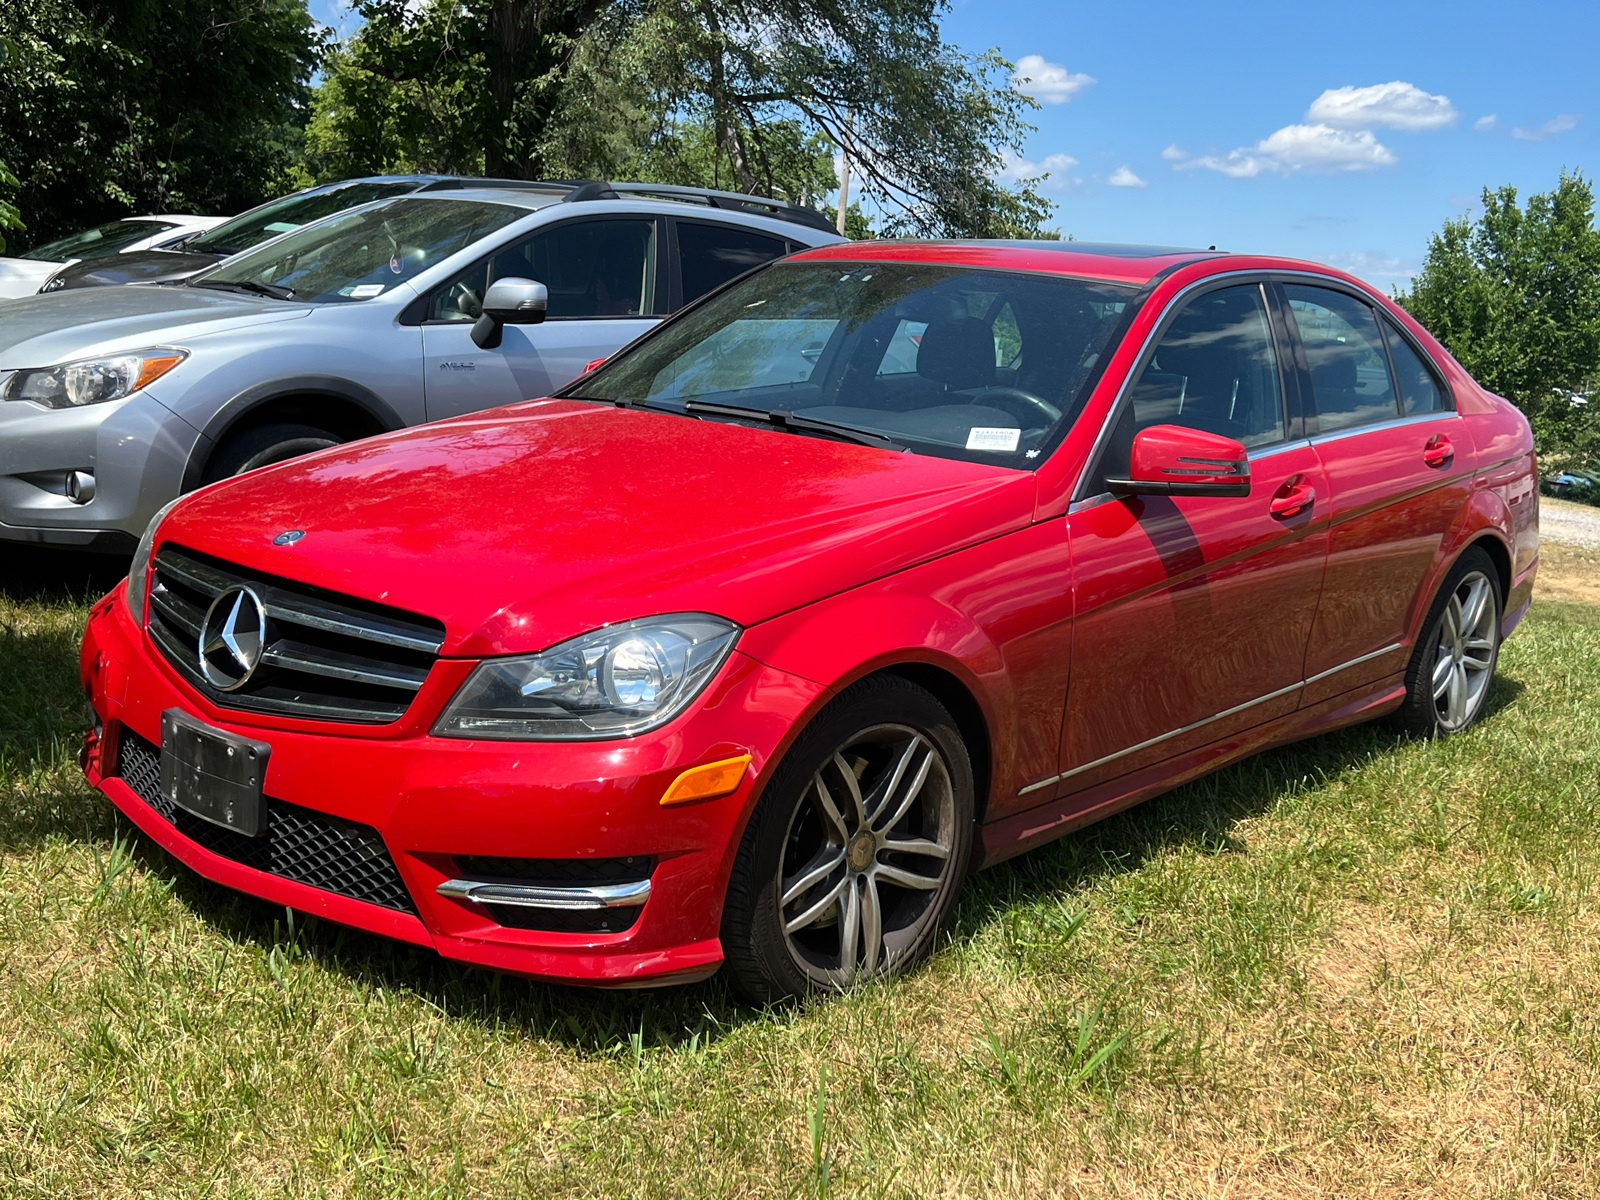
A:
x: 1464, y: 655
x: 867, y: 852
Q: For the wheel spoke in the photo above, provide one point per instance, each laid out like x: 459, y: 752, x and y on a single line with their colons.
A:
x: 915, y: 846
x: 1458, y: 695
x: 816, y: 910
x: 1476, y: 662
x: 849, y: 928
x: 830, y: 810
x: 894, y: 780
x: 853, y: 786
x: 1472, y: 608
x: 1443, y: 671
x: 821, y: 865
x: 910, y: 792
x: 888, y: 873
x: 871, y: 927
x: 1451, y: 628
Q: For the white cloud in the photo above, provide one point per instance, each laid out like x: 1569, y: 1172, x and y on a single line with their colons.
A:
x: 1057, y: 166
x: 1395, y: 105
x: 1317, y: 148
x: 1484, y: 124
x: 1123, y: 177
x: 1047, y: 81
x: 1173, y: 154
x: 1543, y: 133
x: 1373, y: 265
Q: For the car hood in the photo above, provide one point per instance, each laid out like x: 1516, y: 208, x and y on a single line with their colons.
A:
x: 37, y: 331
x: 137, y: 266
x: 523, y: 526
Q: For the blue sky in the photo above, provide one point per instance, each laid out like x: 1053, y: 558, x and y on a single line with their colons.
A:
x: 1214, y: 109
x: 1342, y: 132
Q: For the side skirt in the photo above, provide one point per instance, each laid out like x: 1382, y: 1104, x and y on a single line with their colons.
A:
x: 1024, y: 831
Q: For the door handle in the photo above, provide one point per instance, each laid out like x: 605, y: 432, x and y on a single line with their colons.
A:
x: 1438, y: 452
x: 1294, y: 497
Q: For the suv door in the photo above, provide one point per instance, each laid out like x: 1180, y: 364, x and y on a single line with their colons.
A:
x: 602, y: 274
x: 1191, y: 614
x: 1399, y: 463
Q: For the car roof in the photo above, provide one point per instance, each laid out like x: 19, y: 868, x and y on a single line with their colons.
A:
x: 1099, y: 260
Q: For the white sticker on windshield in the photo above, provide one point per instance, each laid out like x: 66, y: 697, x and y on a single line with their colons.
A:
x: 991, y: 437
x: 366, y: 290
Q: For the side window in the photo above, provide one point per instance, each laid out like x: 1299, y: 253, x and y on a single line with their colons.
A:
x: 710, y: 255
x: 1214, y: 369
x: 1349, y: 370
x: 592, y: 268
x: 1419, y: 390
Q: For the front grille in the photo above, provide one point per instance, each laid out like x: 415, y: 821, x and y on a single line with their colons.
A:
x: 324, y: 656
x: 309, y: 847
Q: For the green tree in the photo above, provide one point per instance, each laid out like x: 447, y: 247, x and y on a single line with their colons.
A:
x: 754, y: 97
x: 115, y: 106
x: 1515, y: 296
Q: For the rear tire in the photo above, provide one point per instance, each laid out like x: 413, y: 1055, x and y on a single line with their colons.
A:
x: 857, y: 848
x: 264, y: 446
x: 1453, y: 664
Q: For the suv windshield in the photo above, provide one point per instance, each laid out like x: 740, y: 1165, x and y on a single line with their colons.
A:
x: 364, y: 253
x: 291, y: 212
x: 99, y: 241
x: 950, y: 361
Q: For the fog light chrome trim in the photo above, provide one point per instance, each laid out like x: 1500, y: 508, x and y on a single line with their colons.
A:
x: 575, y: 899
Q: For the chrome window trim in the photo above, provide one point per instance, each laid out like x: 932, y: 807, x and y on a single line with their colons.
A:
x: 1279, y: 448
x: 1243, y: 275
x: 1392, y: 423
x: 1204, y: 721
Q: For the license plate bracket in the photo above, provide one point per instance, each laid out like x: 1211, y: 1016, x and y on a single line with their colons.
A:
x: 213, y: 774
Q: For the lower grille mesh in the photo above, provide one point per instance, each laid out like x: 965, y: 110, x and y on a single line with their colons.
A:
x: 309, y: 847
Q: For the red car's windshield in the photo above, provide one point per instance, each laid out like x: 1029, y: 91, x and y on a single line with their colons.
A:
x: 951, y: 361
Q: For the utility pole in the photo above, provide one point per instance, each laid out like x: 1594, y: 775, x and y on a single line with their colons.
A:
x: 844, y: 177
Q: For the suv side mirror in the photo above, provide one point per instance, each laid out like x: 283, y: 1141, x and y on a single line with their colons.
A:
x: 1172, y: 460
x: 510, y: 302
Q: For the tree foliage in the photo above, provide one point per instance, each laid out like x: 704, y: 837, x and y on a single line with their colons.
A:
x: 109, y: 107
x: 1515, y: 296
x: 747, y: 95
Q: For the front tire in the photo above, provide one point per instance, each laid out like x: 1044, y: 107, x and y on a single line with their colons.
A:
x: 265, y: 446
x: 856, y: 849
x: 1448, y: 678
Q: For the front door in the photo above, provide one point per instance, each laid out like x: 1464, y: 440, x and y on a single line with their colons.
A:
x: 601, y: 275
x: 1399, y: 463
x: 1192, y: 613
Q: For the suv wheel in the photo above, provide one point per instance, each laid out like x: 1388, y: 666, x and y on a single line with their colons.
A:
x: 263, y: 446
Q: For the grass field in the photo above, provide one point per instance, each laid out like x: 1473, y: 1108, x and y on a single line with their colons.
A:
x: 1360, y: 966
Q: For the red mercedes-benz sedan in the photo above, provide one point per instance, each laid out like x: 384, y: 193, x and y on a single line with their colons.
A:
x: 886, y: 562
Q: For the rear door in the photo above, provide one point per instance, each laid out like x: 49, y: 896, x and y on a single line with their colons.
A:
x: 603, y: 276
x: 1192, y: 613
x: 706, y: 254
x: 1399, y: 463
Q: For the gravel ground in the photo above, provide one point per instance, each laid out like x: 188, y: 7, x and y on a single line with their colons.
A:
x: 1575, y: 524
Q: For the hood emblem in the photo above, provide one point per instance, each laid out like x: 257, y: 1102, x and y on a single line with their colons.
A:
x: 232, y: 638
x: 288, y: 537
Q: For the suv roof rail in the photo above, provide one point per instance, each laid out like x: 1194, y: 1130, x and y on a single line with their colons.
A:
x: 450, y: 183
x: 761, y: 206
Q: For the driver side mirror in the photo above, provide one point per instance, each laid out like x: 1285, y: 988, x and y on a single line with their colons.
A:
x: 1173, y: 460
x: 510, y: 302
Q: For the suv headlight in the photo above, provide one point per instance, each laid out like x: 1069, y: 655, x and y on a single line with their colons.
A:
x: 139, y: 571
x: 614, y: 682
x: 92, y: 380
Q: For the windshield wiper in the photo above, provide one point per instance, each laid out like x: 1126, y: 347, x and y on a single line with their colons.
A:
x: 249, y: 285
x: 784, y: 419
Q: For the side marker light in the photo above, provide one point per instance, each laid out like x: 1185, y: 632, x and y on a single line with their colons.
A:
x: 707, y: 782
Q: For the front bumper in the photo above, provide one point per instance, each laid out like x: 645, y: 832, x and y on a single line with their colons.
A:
x: 435, y: 801
x: 135, y: 448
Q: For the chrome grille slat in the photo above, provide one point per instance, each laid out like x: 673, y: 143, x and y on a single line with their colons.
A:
x: 323, y: 659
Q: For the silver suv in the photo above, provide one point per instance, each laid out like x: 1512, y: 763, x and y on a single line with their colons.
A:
x: 115, y: 400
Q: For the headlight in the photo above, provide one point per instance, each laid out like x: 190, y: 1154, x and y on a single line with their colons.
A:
x: 139, y: 572
x: 614, y: 682
x: 92, y: 380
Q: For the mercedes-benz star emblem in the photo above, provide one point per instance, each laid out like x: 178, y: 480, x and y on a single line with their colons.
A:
x: 231, y: 638
x: 288, y: 537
